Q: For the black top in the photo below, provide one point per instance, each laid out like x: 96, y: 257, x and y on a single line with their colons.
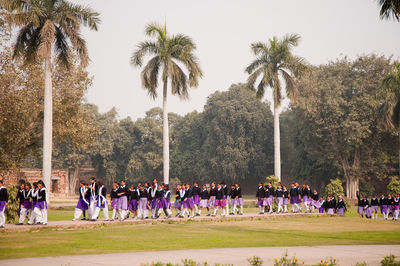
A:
x: 220, y: 194
x: 341, y: 204
x: 396, y: 201
x: 188, y: 193
x: 20, y: 196
x: 143, y: 193
x: 196, y: 191
x: 160, y: 194
x: 239, y: 192
x: 177, y: 195
x: 213, y: 191
x: 374, y: 202
x: 294, y: 192
x: 95, y: 192
x: 183, y: 195
x: 42, y: 195
x: 383, y: 201
x: 124, y: 190
x: 366, y: 203
x: 232, y: 193
x: 260, y: 192
x: 225, y: 188
x: 204, y: 194
x: 271, y: 190
x: 315, y: 196
x: 82, y: 193
x: 360, y: 202
x: 285, y: 193
x: 134, y: 194
x: 279, y: 193
x: 3, y: 194
x: 390, y: 201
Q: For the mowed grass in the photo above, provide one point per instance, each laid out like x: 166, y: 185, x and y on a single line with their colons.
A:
x: 113, y: 238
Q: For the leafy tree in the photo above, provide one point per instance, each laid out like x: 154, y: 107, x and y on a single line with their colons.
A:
x: 394, y: 186
x: 390, y: 9
x: 275, y: 59
x: 390, y: 109
x: 168, y: 53
x: 47, y: 30
x: 366, y: 188
x: 334, y: 188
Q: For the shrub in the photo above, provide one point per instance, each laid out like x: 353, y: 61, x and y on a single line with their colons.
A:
x: 334, y: 188
x: 390, y: 261
x: 273, y: 179
x: 394, y: 186
x: 255, y: 261
x: 12, y: 207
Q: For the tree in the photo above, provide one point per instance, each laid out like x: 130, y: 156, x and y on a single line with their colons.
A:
x: 169, y: 52
x: 48, y: 29
x: 390, y: 109
x: 274, y: 59
x: 394, y: 186
x: 334, y: 188
x: 390, y: 9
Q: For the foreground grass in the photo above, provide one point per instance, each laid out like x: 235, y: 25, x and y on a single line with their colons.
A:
x: 112, y: 238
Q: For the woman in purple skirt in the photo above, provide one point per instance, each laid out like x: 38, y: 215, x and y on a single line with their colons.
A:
x: 41, y: 205
x: 239, y: 199
x: 396, y: 200
x: 205, y: 196
x: 213, y: 193
x: 260, y: 197
x: 133, y: 200
x: 196, y: 197
x: 341, y: 206
x: 383, y: 202
x: 123, y: 193
x: 367, y: 208
x: 390, y: 204
x: 177, y: 202
x: 26, y: 204
x: 322, y: 205
x: 220, y: 201
x: 360, y: 205
x: 114, y: 201
x: 142, y: 206
x: 3, y: 203
x: 153, y: 200
x: 189, y: 200
x: 83, y: 204
x: 374, y: 207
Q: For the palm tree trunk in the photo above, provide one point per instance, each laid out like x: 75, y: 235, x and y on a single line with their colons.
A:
x: 277, y: 145
x: 48, y: 123
x: 165, y: 136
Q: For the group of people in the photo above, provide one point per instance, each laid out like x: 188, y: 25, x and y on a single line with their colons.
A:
x: 388, y: 205
x: 151, y: 200
x: 295, y: 196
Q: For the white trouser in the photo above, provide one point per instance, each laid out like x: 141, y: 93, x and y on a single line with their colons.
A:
x: 146, y: 213
x: 285, y: 208
x: 44, y: 215
x: 78, y: 213
x: 306, y: 205
x: 123, y: 214
x: 222, y: 210
x: 228, y: 199
x: 261, y: 209
x: 115, y: 214
x: 91, y: 209
x: 196, y: 207
x: 2, y: 218
x: 396, y: 214
x: 24, y: 212
x: 97, y: 212
x: 36, y: 216
x: 280, y: 208
x: 233, y: 207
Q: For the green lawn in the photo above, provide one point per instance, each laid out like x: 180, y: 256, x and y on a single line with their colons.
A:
x: 113, y: 238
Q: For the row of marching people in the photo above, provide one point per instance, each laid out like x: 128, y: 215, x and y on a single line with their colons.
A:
x: 295, y: 196
x: 388, y: 205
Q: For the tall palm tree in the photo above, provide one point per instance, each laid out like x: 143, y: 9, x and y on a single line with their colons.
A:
x: 390, y: 109
x: 49, y: 32
x: 274, y: 60
x: 168, y: 53
x: 390, y: 9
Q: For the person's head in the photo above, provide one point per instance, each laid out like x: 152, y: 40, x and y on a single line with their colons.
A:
x: 27, y: 186
x: 315, y: 191
x: 219, y: 185
x: 40, y: 185
x: 122, y: 182
x: 297, y: 184
x: 146, y: 185
x: 34, y: 185
x: 204, y: 187
x: 187, y: 186
x: 304, y: 185
x: 279, y: 186
x: 284, y: 187
x: 81, y: 183
x: 178, y: 187
x: 1, y: 182
x: 166, y: 187
x: 115, y: 186
x: 92, y: 180
x: 389, y: 195
x: 22, y: 186
x: 213, y: 183
x: 374, y: 197
x: 132, y: 186
x: 196, y: 184
x: 307, y: 186
x: 260, y: 184
x: 141, y: 186
x: 292, y: 185
x: 321, y: 198
x: 269, y: 184
x: 101, y: 183
x: 233, y: 186
x: 361, y: 196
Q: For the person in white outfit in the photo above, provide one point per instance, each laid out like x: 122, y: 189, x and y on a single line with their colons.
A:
x: 101, y: 203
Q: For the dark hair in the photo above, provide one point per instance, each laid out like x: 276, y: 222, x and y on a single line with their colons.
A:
x: 21, y: 181
x: 92, y: 178
x: 100, y: 183
x: 28, y: 184
x: 1, y: 181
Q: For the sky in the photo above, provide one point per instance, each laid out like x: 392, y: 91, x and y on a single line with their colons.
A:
x: 223, y: 31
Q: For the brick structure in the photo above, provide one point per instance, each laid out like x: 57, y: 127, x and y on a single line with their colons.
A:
x: 59, y: 178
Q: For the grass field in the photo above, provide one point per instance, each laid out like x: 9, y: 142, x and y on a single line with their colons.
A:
x: 112, y: 238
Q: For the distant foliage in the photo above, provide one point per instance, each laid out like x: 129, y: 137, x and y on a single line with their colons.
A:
x: 334, y: 188
x: 390, y: 261
x: 273, y: 180
x: 394, y: 186
x: 12, y: 207
x: 366, y: 188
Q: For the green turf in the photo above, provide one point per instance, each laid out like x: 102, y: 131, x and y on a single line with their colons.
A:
x: 113, y: 238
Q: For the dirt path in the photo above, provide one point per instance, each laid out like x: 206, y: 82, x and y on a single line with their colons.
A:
x: 345, y: 255
x: 79, y: 223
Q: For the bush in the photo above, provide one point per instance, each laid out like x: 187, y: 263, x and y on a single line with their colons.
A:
x: 273, y: 180
x: 366, y: 188
x: 12, y: 207
x: 255, y: 261
x: 390, y: 261
x: 334, y: 188
x: 394, y: 186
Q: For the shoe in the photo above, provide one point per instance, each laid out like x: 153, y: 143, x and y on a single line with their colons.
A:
x: 83, y: 219
x: 208, y: 214
x: 197, y: 214
x: 19, y: 224
x: 240, y: 213
x: 2, y: 226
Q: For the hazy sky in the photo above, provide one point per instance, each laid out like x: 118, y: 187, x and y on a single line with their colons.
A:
x: 223, y: 31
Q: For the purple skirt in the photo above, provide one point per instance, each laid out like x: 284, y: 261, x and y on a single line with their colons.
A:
x: 168, y: 203
x: 285, y: 201
x: 122, y: 203
x: 211, y: 202
x: 316, y: 204
x: 162, y: 203
x: 279, y: 200
x: 384, y: 209
x: 196, y: 199
x: 41, y: 205
x: 321, y: 210
x: 340, y: 211
x: 114, y: 203
x: 331, y: 211
x: 142, y: 203
x: 190, y: 203
x: 360, y: 210
x: 2, y: 206
x: 27, y: 204
x: 177, y: 204
x: 305, y: 199
x: 293, y: 200
x: 374, y: 209
x: 367, y: 211
x: 220, y: 203
x: 204, y: 203
x: 82, y: 205
x: 153, y: 204
x: 133, y: 205
x: 239, y: 201
x: 260, y: 202
x: 396, y: 207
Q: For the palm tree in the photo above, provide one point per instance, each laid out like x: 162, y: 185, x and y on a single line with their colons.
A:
x: 390, y: 109
x: 49, y: 32
x: 274, y: 59
x: 390, y: 8
x: 168, y: 53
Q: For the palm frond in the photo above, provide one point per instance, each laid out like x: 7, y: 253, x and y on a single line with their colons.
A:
x: 155, y: 30
x: 143, y: 49
x: 61, y: 48
x: 390, y: 9
x: 178, y: 81
x: 251, y: 80
x: 291, y: 88
x: 86, y: 16
x: 77, y: 42
x: 47, y: 36
x: 255, y: 64
x: 259, y: 48
x: 291, y: 39
x: 149, y: 76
